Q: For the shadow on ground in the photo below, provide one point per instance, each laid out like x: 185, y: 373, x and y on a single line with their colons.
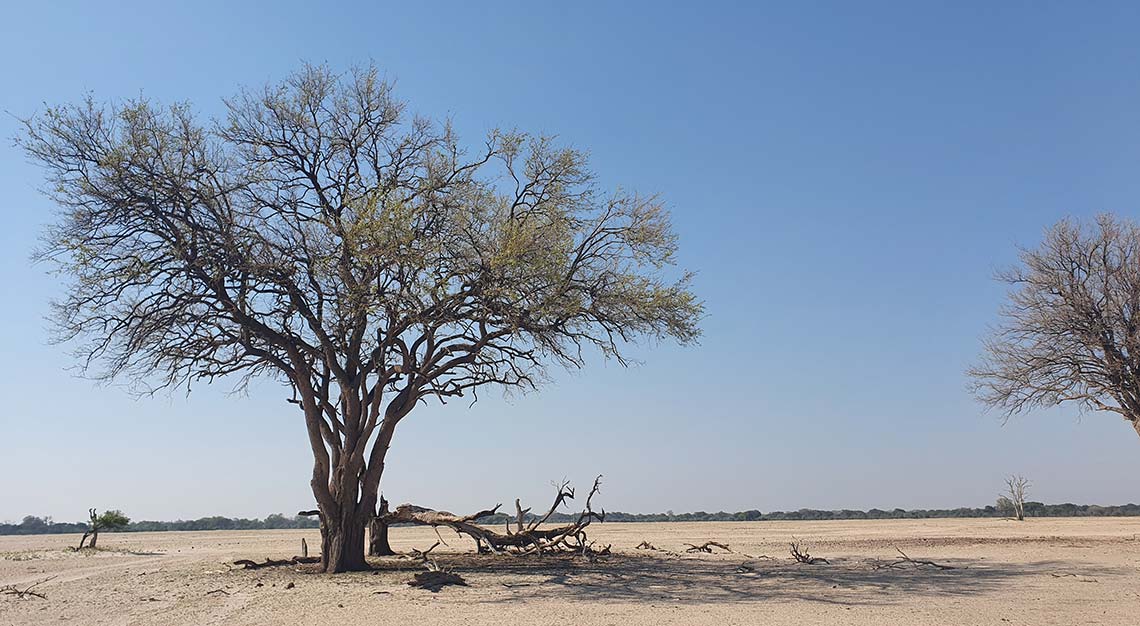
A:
x: 703, y: 579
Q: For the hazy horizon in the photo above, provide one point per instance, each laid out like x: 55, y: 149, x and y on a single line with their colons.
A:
x: 844, y: 180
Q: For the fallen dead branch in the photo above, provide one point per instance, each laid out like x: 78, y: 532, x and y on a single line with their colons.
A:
x: 801, y: 555
x: 297, y: 560
x: 29, y: 591
x: 422, y: 554
x: 903, y: 559
x: 707, y: 547
x: 528, y: 535
x: 436, y: 578
x: 645, y: 545
x: 1083, y: 579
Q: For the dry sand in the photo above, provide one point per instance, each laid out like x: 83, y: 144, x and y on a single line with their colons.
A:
x: 1042, y: 571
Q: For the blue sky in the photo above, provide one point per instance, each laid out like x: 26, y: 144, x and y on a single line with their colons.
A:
x: 845, y: 177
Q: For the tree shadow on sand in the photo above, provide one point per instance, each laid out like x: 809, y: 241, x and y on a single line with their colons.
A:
x: 703, y: 580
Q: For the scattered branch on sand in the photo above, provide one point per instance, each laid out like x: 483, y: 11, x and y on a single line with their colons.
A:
x: 903, y: 559
x: 422, y: 554
x: 707, y: 547
x: 801, y: 555
x: 527, y: 537
x: 645, y: 545
x: 1083, y: 579
x: 436, y: 578
x: 221, y: 591
x: 297, y: 560
x: 29, y: 591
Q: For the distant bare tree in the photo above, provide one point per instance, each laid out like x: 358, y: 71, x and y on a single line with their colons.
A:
x: 319, y: 236
x: 1070, y: 332
x: 1013, y: 500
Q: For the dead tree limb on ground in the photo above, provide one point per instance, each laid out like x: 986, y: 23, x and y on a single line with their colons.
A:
x: 903, y: 559
x: 801, y: 555
x: 645, y: 545
x: 29, y: 591
x: 423, y: 554
x: 436, y: 578
x: 707, y: 547
x: 297, y: 560
x: 528, y: 537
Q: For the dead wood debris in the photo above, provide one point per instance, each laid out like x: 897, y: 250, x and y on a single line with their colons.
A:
x: 904, y: 560
x: 297, y: 560
x: 645, y: 545
x: 527, y: 536
x: 1083, y: 579
x: 801, y: 555
x: 436, y: 578
x: 29, y: 591
x: 422, y: 554
x: 707, y: 547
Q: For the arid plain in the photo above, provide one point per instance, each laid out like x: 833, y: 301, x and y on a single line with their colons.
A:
x: 1037, y: 572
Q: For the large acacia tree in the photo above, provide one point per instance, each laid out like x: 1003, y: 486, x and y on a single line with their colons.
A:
x: 1070, y: 332
x: 318, y: 235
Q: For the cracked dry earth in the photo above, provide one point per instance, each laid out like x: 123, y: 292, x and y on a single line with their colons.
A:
x: 1042, y: 571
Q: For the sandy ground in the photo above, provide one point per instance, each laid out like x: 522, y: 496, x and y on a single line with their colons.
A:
x: 1042, y: 571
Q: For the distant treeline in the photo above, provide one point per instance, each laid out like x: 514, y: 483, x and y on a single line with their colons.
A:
x: 32, y: 525
x: 44, y: 525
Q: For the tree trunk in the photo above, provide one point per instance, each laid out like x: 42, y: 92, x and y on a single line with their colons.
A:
x: 94, y: 538
x: 342, y: 543
x: 378, y: 533
x: 1136, y: 425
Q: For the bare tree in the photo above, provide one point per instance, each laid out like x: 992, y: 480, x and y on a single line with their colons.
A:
x: 1013, y: 499
x: 1070, y: 332
x: 370, y: 262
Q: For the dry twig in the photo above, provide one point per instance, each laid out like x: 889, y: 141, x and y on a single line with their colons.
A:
x: 13, y: 590
x: 802, y: 555
x: 906, y: 560
x: 707, y: 547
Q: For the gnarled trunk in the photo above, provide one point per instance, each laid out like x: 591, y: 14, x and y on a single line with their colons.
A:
x: 342, y: 543
x: 378, y: 532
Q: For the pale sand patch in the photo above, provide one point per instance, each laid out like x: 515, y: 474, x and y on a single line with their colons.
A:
x: 1042, y: 571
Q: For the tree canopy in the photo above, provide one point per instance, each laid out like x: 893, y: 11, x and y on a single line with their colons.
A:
x: 1070, y: 332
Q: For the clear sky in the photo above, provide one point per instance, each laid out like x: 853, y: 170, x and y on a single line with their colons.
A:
x: 845, y: 177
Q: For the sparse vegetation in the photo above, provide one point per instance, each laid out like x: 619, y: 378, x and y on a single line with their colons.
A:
x: 108, y: 520
x: 1012, y: 502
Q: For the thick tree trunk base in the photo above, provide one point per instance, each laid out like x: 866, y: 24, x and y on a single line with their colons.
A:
x: 342, y: 545
x: 378, y: 533
x: 378, y: 538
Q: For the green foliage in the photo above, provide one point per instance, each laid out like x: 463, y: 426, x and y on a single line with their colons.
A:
x: 112, y: 520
